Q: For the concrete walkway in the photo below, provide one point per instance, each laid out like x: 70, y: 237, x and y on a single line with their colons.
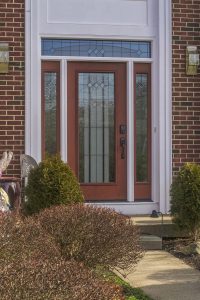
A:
x: 164, y: 277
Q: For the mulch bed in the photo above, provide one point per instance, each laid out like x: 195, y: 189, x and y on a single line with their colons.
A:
x: 176, y: 246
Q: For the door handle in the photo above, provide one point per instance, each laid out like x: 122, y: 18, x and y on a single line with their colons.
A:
x: 122, y: 129
x: 123, y: 147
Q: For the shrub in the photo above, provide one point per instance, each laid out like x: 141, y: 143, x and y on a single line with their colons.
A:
x: 185, y: 199
x: 24, y: 240
x: 53, y: 279
x: 95, y: 236
x: 51, y: 183
x: 33, y: 268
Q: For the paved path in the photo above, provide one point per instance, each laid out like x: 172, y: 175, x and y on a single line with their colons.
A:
x: 164, y: 277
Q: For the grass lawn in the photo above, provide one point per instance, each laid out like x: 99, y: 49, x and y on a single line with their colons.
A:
x: 130, y: 293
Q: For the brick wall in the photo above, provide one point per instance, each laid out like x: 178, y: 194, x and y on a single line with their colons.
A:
x: 12, y: 100
x: 186, y: 89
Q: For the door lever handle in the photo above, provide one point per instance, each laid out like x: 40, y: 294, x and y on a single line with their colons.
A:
x: 123, y: 147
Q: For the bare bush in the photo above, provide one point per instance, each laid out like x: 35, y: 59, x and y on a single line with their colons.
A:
x: 24, y: 240
x: 95, y: 236
x: 32, y: 267
x: 53, y: 279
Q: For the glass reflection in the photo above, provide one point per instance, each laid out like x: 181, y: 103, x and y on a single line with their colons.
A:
x: 50, y: 112
x: 96, y: 48
x: 96, y: 127
x: 141, y: 128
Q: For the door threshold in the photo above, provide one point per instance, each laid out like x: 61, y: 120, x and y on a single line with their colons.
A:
x: 143, y: 200
x: 119, y: 201
x: 128, y: 208
x: 106, y: 201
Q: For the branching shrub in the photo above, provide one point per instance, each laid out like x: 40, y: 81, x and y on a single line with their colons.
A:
x: 185, y: 199
x: 24, y: 240
x: 51, y: 183
x: 53, y: 279
x: 95, y: 236
x: 32, y: 267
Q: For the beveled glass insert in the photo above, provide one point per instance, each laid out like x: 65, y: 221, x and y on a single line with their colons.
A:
x: 96, y: 105
x: 141, y: 128
x: 50, y: 112
x: 96, y: 48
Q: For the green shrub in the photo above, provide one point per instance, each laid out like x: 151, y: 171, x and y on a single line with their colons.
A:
x: 92, y: 235
x: 51, y: 183
x: 31, y: 267
x: 185, y: 199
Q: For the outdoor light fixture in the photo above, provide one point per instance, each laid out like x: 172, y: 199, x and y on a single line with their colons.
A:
x: 4, y: 57
x: 192, y: 60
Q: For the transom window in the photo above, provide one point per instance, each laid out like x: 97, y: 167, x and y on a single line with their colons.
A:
x: 96, y: 48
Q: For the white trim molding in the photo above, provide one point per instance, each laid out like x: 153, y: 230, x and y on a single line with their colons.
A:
x: 165, y: 104
x: 28, y: 76
x: 33, y: 81
x: 130, y: 132
x: 128, y: 208
x: 63, y: 109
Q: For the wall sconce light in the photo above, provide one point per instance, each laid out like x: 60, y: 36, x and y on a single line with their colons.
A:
x: 192, y: 60
x: 4, y: 57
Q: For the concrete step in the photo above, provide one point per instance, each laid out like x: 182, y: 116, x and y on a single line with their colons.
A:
x: 151, y: 242
x: 162, y: 226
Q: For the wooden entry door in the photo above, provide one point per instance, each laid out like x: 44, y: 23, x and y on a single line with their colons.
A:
x: 97, y: 128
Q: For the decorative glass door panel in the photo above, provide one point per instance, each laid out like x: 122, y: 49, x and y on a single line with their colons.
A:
x: 50, y: 111
x: 142, y: 132
x: 96, y: 109
x: 141, y: 128
x: 96, y: 127
x: 50, y: 107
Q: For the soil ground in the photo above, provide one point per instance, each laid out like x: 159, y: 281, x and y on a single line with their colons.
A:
x: 177, y: 246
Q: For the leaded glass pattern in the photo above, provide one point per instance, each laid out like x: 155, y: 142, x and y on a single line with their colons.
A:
x: 96, y: 48
x: 141, y: 128
x: 96, y: 127
x: 50, y: 112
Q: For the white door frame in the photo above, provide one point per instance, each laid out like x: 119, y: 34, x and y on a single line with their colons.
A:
x: 130, y: 112
x: 161, y: 100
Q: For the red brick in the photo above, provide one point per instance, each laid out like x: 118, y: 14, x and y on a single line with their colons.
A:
x: 185, y: 92
x: 12, y: 100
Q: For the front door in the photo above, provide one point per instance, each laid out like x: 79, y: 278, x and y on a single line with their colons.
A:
x: 97, y: 128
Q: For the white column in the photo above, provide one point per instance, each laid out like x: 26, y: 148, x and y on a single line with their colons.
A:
x: 165, y: 102
x: 130, y: 133
x: 33, y: 82
x: 28, y: 76
x: 63, y: 109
